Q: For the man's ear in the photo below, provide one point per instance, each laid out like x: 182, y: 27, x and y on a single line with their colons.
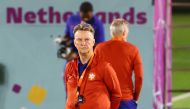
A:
x: 124, y: 33
x: 94, y: 42
x: 74, y: 42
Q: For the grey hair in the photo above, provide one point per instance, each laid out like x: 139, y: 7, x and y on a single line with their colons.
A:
x: 118, y: 26
x: 84, y: 27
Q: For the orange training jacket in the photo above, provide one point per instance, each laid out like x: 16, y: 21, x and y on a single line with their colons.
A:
x: 124, y: 58
x: 101, y: 89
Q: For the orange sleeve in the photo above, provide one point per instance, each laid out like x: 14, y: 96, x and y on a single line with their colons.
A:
x: 65, y: 78
x: 66, y: 73
x: 138, y: 69
x: 113, y: 86
x: 69, y: 87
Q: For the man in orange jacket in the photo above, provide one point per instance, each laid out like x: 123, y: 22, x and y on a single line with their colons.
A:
x: 90, y: 83
x: 124, y: 58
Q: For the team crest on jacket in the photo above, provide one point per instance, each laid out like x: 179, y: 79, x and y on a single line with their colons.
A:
x: 91, y: 76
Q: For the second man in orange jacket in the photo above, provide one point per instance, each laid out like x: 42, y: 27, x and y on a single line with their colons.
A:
x: 124, y: 58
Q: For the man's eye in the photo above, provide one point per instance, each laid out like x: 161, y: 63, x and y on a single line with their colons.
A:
x: 87, y: 39
x: 79, y: 39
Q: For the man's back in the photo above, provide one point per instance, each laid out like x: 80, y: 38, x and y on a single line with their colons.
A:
x: 124, y: 57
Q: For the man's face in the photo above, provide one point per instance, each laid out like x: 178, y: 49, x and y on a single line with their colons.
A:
x: 86, y: 16
x: 84, y: 41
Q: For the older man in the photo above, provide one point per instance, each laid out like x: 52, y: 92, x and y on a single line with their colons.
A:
x: 90, y: 83
x: 125, y: 58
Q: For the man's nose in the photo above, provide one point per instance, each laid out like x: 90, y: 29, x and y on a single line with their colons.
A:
x: 83, y: 42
